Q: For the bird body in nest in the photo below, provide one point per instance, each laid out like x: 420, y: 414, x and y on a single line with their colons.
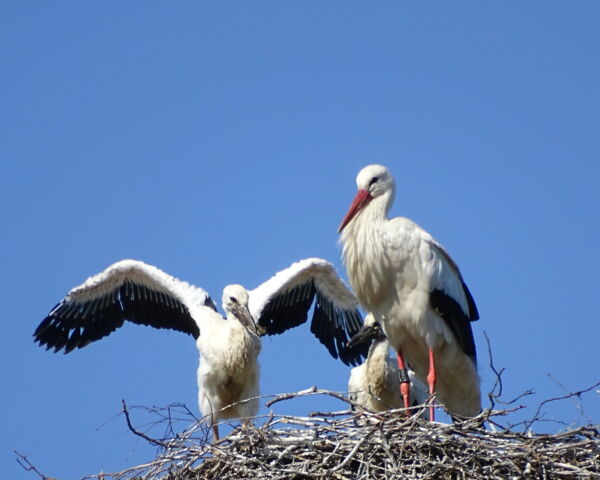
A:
x: 375, y: 385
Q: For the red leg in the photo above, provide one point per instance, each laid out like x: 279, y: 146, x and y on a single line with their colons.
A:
x: 404, y: 382
x: 431, y: 381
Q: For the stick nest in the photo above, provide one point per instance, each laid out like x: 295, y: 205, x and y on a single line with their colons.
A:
x: 363, y: 445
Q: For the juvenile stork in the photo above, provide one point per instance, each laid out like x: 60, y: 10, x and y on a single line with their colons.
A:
x: 409, y: 282
x: 375, y: 385
x: 228, y: 374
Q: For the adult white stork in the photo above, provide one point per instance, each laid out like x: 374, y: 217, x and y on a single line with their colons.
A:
x: 375, y: 385
x: 409, y: 282
x: 228, y: 374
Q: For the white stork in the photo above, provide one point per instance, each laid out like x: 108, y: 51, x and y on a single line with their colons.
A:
x: 229, y: 370
x: 409, y: 282
x: 375, y: 385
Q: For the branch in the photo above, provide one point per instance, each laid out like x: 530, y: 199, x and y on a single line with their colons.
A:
x: 27, y: 466
x: 578, y: 404
x: 287, y: 396
x: 140, y: 434
x: 314, y: 391
x: 498, y: 384
x: 537, y: 417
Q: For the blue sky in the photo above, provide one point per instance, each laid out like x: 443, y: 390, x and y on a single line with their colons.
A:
x: 220, y: 142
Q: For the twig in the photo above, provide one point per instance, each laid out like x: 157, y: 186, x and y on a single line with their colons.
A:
x: 140, y: 434
x: 28, y: 466
x: 492, y: 395
x: 287, y: 396
x: 536, y: 417
x: 578, y: 403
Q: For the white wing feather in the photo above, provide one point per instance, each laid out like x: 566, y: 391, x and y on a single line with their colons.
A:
x: 322, y: 272
x: 142, y: 274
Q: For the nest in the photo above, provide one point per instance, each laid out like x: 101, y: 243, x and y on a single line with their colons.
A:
x: 385, y: 446
x: 355, y: 444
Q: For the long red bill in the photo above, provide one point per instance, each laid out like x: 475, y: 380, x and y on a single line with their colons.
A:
x: 363, y: 197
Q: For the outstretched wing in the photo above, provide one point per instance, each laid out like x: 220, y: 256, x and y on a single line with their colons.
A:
x: 283, y: 302
x: 127, y: 290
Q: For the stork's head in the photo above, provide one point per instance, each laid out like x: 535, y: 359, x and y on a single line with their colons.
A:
x: 235, y: 302
x: 373, y: 181
x: 371, y: 330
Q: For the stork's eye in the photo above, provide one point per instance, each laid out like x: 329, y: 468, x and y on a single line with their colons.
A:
x: 233, y: 299
x: 373, y: 180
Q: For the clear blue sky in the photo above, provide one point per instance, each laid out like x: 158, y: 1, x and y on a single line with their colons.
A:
x: 220, y: 141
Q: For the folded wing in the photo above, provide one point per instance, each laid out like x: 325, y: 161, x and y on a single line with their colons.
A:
x: 451, y: 299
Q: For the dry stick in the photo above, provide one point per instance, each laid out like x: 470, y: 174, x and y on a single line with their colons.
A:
x: 353, y: 452
x: 287, y: 396
x: 316, y: 391
x: 498, y: 384
x: 495, y: 397
x: 26, y: 464
x: 140, y: 434
x: 578, y: 403
x: 536, y: 416
x: 309, y: 392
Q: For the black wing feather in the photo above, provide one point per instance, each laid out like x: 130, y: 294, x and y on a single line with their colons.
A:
x: 72, y: 324
x: 456, y: 319
x: 473, y: 312
x: 287, y: 310
x: 332, y: 326
x: 320, y: 329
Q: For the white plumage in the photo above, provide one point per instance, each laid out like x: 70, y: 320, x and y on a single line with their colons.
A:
x: 409, y: 282
x: 228, y: 374
x: 375, y: 384
x: 229, y: 371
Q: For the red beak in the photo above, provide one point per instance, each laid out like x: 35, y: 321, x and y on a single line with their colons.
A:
x: 363, y: 197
